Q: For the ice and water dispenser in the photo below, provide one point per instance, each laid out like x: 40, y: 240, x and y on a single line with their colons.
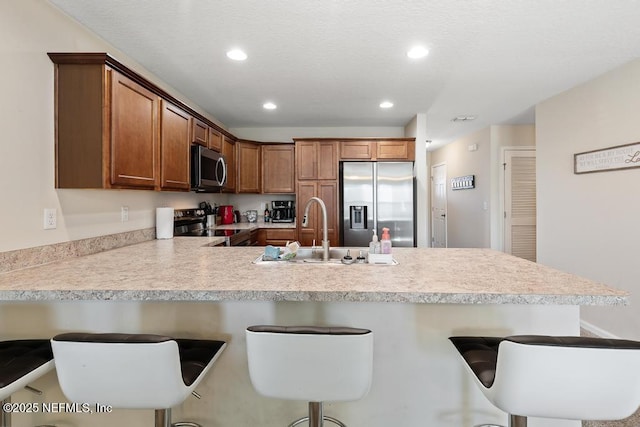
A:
x: 358, y: 217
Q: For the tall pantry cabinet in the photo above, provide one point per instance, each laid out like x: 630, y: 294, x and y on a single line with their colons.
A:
x: 317, y: 176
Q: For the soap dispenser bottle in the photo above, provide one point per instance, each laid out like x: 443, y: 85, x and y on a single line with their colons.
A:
x: 374, y: 245
x: 385, y: 243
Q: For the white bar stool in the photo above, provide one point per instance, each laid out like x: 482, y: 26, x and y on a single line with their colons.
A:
x: 311, y: 363
x: 136, y: 371
x: 21, y: 362
x: 575, y: 378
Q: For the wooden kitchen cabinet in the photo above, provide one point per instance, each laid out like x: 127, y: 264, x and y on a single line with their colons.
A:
x: 317, y: 176
x: 133, y: 133
x: 249, y: 166
x: 306, y: 160
x: 402, y: 150
x: 356, y: 150
x: 107, y: 133
x: 278, y: 169
x: 229, y: 153
x: 375, y: 149
x: 215, y: 140
x: 199, y: 132
x: 276, y: 236
x: 316, y: 160
x: 116, y: 129
x: 328, y: 192
x: 175, y: 143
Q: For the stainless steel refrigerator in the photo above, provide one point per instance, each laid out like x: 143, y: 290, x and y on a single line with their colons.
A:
x: 375, y: 195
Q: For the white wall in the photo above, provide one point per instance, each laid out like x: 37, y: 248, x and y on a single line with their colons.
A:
x: 588, y: 224
x: 28, y: 30
x: 468, y: 222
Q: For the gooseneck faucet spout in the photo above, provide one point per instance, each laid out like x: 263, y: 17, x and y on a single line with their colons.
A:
x: 325, y: 232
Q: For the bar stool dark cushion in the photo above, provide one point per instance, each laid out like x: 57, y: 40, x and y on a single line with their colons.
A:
x: 195, y: 355
x: 310, y: 363
x: 131, y: 370
x: 556, y: 377
x: 19, y: 359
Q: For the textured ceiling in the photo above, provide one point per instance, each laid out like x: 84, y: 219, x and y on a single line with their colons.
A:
x: 331, y: 63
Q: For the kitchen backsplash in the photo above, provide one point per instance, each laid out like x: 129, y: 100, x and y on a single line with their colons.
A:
x: 30, y: 257
x: 245, y: 202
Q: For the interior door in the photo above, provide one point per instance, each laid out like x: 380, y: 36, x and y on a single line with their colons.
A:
x: 520, y: 203
x: 439, y: 206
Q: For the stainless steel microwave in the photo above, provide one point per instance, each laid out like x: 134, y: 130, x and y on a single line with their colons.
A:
x: 208, y: 169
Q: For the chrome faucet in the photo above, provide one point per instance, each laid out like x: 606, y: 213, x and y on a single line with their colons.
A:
x: 325, y: 232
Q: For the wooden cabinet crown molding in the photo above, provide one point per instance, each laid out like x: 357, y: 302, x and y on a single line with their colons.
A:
x: 96, y: 58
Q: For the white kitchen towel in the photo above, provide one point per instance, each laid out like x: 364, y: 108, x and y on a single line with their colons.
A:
x: 164, y: 223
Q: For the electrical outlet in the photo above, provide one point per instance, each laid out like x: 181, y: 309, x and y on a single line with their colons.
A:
x: 50, y: 218
x: 124, y: 213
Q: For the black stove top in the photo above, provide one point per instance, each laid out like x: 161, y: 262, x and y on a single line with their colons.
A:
x: 192, y: 223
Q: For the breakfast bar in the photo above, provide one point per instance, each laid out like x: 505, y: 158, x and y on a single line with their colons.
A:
x: 187, y: 269
x: 190, y: 287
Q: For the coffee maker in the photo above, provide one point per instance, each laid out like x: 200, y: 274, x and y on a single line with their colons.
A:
x: 283, y: 211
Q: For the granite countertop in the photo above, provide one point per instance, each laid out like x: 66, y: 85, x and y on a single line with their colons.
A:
x: 185, y: 269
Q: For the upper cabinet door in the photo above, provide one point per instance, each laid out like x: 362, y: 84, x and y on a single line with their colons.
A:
x: 229, y: 153
x: 278, y: 165
x: 174, y: 148
x: 316, y: 160
x: 395, y: 150
x: 328, y: 160
x: 199, y: 132
x: 134, y: 134
x: 356, y: 150
x: 307, y: 160
x: 215, y: 140
x: 248, y: 167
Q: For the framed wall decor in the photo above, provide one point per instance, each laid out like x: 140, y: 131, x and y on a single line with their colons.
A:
x: 607, y: 159
x: 463, y: 182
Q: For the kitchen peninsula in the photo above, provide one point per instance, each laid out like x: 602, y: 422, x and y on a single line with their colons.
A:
x: 184, y: 287
x: 187, y: 269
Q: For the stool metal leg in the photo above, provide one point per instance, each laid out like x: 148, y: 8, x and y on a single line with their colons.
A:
x: 517, y: 421
x: 163, y: 418
x: 316, y: 417
x: 5, y: 417
x: 315, y: 414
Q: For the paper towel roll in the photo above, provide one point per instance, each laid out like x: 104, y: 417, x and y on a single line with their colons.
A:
x: 164, y: 223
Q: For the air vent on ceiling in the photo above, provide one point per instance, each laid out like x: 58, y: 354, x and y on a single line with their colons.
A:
x: 463, y: 118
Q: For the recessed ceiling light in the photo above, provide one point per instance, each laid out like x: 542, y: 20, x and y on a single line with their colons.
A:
x: 269, y: 106
x: 417, y: 52
x: 386, y: 104
x: 236, y: 55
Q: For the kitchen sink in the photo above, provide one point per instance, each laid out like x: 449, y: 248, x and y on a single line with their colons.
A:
x: 309, y: 255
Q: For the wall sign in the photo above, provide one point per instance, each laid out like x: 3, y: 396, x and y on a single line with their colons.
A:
x: 614, y: 158
x: 463, y: 182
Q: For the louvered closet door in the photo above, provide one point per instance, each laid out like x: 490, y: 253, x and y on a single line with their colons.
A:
x: 520, y: 203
